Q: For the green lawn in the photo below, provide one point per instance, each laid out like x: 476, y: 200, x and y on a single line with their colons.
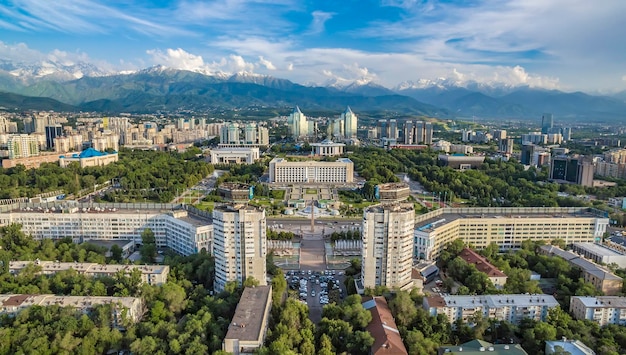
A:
x: 205, y: 205
x: 278, y: 194
x: 311, y: 191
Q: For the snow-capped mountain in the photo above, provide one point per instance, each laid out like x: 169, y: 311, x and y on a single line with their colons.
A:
x: 51, y: 70
x: 495, y: 89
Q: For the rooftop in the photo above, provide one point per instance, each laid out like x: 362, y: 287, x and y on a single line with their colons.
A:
x: 580, y: 262
x: 393, y: 186
x: 481, y: 263
x: 47, y: 266
x: 247, y: 322
x: 492, y: 301
x: 574, y: 347
x: 234, y: 186
x: 476, y: 347
x: 80, y: 302
x: 602, y: 301
x: 394, y: 207
x: 598, y: 249
x: 383, y: 328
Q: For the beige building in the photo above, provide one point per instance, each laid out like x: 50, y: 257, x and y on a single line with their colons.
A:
x: 124, y: 309
x: 22, y: 146
x: 30, y: 162
x: 246, y: 332
x: 89, y: 157
x: 510, y: 308
x: 603, y: 310
x: 507, y: 227
x: 328, y: 148
x: 183, y: 231
x: 311, y: 171
x: 150, y: 274
x: 601, y: 278
x: 387, y: 246
x: 393, y: 192
x: 239, y: 244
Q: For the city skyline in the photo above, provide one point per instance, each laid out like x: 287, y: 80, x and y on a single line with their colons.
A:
x: 573, y: 45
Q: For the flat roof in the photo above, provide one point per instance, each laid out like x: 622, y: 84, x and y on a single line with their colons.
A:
x: 247, y: 322
x: 598, y: 249
x: 582, y: 263
x: 80, y: 302
x: 89, y: 267
x: 492, y: 301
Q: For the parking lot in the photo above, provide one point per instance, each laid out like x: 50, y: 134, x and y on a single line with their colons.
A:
x: 317, y: 288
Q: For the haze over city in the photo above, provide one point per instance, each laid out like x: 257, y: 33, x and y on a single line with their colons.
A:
x: 566, y: 45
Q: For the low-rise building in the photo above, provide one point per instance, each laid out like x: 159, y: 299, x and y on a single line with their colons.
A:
x: 478, y: 347
x: 600, y: 254
x: 124, y: 309
x: 236, y: 155
x: 89, y: 157
x: 510, y: 308
x: 328, y: 148
x: 603, y: 310
x: 497, y: 277
x: 461, y: 162
x: 150, y: 274
x: 382, y: 327
x: 311, y: 171
x: 567, y: 346
x: 601, y: 278
x: 246, y: 332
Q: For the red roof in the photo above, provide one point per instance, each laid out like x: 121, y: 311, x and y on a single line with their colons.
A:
x: 481, y: 263
x: 387, y: 340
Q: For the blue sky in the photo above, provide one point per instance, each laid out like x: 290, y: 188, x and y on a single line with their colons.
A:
x: 565, y: 44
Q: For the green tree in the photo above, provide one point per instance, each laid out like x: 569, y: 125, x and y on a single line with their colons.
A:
x: 148, y: 246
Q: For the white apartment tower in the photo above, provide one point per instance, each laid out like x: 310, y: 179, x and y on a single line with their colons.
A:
x: 239, y: 244
x: 22, y: 146
x: 388, y: 245
x: 297, y: 122
x: 350, y: 123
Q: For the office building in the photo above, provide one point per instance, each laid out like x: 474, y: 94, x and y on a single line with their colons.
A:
x: 51, y: 133
x: 576, y: 169
x: 600, y: 254
x: 603, y: 310
x: 602, y: 279
x: 461, y: 162
x: 22, y: 146
x: 497, y: 277
x: 181, y: 228
x: 382, y: 129
x: 547, y: 123
x: 393, y: 129
x: 499, y: 134
x: 528, y: 150
x: 247, y: 330
x: 567, y: 346
x: 239, y: 244
x: 387, y: 246
x: 507, y: 227
x: 298, y: 123
x: 150, y: 274
x: 311, y: 171
x: 392, y: 192
x: 479, y: 347
x: 89, y: 157
x: 511, y: 308
x: 350, y: 123
x: 328, y: 148
x: 505, y: 146
x: 123, y: 309
x: 383, y: 328
x: 235, y: 192
x: 238, y: 155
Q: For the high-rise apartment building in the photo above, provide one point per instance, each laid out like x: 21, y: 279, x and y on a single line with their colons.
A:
x: 235, y: 134
x: 506, y: 146
x: 22, y: 146
x: 350, y: 122
x: 51, y: 133
x: 239, y: 244
x: 388, y: 245
x: 297, y: 123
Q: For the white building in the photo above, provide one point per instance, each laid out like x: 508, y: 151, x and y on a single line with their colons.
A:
x: 328, y: 148
x: 603, y: 310
x: 239, y: 155
x: 184, y: 232
x: 150, y: 274
x: 298, y: 123
x: 350, y: 122
x: 239, y: 244
x: 22, y: 146
x: 338, y: 172
x: 510, y: 308
x: 124, y: 309
x: 387, y: 245
x: 600, y: 254
x: 89, y: 157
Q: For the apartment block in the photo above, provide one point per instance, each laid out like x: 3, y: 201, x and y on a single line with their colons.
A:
x: 600, y: 254
x: 337, y: 172
x: 387, y: 246
x: 601, y: 278
x: 246, y: 332
x: 603, y: 310
x: 507, y: 227
x: 150, y: 274
x: 124, y: 309
x: 511, y: 308
x: 240, y: 244
x: 497, y: 277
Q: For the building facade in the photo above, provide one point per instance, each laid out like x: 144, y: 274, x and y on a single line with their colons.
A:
x: 328, y: 148
x: 387, y: 245
x: 350, y: 122
x: 507, y: 227
x: 239, y: 155
x: 600, y: 254
x: 603, y: 310
x: 22, y: 146
x: 298, y: 123
x: 240, y: 244
x: 510, y: 308
x: 246, y: 332
x: 338, y: 172
x: 89, y: 157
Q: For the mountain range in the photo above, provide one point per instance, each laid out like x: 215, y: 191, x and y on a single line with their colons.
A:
x: 85, y: 87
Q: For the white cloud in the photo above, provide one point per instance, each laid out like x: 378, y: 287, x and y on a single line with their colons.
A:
x: 290, y: 67
x: 319, y: 20
x: 624, y: 78
x: 266, y: 63
x: 177, y: 59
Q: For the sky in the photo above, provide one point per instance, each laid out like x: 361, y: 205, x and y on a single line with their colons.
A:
x: 569, y: 45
